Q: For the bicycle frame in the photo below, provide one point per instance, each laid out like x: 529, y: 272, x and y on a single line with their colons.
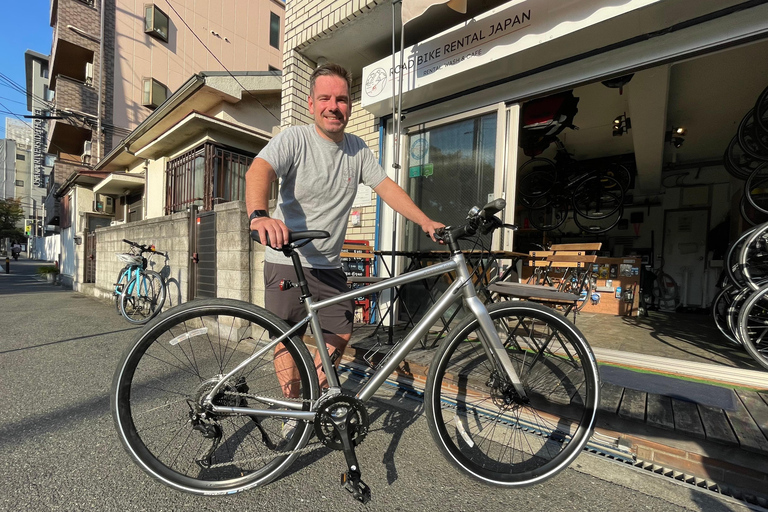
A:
x: 462, y: 286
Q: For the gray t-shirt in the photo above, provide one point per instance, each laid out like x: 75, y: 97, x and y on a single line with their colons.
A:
x: 318, y: 183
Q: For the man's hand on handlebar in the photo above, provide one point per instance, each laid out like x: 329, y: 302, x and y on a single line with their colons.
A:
x: 275, y: 231
x: 430, y: 226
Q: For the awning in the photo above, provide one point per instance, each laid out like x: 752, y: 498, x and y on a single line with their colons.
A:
x: 120, y: 184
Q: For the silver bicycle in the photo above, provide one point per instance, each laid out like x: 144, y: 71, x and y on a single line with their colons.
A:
x: 203, y: 398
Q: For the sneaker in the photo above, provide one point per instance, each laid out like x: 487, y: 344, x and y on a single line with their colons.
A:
x: 289, y: 428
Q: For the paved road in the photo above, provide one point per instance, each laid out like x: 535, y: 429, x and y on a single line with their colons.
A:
x: 58, y: 449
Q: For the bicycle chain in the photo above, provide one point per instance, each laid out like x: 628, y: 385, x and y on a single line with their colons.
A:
x: 310, y: 446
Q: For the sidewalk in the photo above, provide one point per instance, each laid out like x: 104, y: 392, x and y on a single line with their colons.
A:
x: 676, y: 398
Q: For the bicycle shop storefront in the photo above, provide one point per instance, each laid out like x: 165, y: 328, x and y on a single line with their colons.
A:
x: 610, y: 124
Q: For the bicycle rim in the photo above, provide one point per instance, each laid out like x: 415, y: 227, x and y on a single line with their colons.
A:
x: 761, y: 113
x: 481, y: 426
x: 597, y: 226
x: 143, y: 297
x: 174, y: 363
x: 753, y: 326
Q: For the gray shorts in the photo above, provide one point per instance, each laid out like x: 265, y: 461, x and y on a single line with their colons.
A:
x: 323, y: 284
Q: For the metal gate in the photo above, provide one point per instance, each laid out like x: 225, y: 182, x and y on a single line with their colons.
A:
x: 90, y: 257
x: 204, y: 255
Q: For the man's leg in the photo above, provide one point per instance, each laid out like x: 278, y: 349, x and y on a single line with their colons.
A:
x: 336, y: 343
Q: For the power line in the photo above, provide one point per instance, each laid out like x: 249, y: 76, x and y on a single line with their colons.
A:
x: 23, y: 89
x: 221, y: 63
x: 16, y: 87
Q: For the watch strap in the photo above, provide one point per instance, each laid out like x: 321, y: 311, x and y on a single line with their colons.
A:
x: 255, y: 214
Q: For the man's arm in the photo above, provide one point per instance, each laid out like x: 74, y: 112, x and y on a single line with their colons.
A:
x: 399, y: 201
x: 258, y: 181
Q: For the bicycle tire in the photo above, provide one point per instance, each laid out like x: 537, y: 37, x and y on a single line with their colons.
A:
x: 169, y: 368
x: 720, y: 310
x: 753, y: 326
x: 748, y: 137
x: 665, y: 289
x: 122, y: 280
x: 598, y: 197
x: 535, y: 188
x: 597, y: 226
x: 750, y: 215
x: 548, y: 431
x: 550, y: 217
x: 735, y: 307
x: 737, y: 162
x: 761, y: 112
x: 143, y: 300
x: 753, y: 257
x: 621, y: 174
x: 756, y: 189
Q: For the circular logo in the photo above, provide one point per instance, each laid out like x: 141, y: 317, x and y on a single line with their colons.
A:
x: 419, y: 149
x: 376, y: 82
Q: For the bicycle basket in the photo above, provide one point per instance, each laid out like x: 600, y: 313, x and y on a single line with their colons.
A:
x: 128, y: 258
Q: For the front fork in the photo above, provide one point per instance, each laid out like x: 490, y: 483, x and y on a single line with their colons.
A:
x: 492, y: 345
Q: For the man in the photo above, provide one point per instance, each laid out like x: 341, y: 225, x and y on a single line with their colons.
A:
x: 320, y: 167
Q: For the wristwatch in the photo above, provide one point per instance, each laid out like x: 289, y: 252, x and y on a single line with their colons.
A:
x: 258, y: 213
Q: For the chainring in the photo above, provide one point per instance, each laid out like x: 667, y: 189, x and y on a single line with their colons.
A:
x: 336, y: 406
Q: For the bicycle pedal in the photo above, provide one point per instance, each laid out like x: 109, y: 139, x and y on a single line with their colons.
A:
x: 359, y: 490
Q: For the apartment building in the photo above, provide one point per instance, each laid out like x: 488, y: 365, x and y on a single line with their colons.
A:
x: 113, y: 64
x: 114, y: 61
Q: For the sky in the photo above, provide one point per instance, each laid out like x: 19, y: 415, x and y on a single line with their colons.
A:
x: 24, y: 25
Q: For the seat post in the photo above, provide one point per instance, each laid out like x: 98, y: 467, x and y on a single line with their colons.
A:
x: 302, y: 280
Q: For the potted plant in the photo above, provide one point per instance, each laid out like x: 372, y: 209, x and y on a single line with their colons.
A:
x: 49, y: 272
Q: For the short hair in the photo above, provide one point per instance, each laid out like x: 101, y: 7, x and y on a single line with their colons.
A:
x: 330, y: 69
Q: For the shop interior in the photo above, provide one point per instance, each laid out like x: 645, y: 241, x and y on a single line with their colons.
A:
x: 653, y: 146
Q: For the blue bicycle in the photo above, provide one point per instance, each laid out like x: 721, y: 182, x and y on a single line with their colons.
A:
x: 139, y: 292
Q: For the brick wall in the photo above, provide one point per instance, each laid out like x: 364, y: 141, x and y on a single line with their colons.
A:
x: 75, y: 95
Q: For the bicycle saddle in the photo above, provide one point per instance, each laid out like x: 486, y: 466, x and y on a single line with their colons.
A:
x: 295, y: 236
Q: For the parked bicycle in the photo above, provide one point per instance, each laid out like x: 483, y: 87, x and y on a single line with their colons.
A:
x: 202, y: 398
x: 139, y: 292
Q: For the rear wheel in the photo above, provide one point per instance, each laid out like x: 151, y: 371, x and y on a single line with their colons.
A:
x: 143, y: 298
x: 122, y: 281
x: 159, y: 387
x: 483, y: 427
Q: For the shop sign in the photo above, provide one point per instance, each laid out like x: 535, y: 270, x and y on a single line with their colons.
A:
x: 505, y: 30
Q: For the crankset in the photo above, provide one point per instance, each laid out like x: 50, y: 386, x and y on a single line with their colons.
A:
x: 342, y: 423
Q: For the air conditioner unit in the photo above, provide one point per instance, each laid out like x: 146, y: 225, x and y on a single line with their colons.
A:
x: 89, y: 73
x: 86, y: 156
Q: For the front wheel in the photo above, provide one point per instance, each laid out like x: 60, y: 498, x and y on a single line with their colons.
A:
x: 160, y: 385
x: 483, y: 427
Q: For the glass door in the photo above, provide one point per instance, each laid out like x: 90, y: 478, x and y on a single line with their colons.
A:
x: 448, y: 169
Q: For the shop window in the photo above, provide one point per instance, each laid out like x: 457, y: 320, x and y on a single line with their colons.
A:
x: 19, y: 156
x: 155, y: 22
x: 19, y: 183
x: 274, y: 30
x: 153, y: 93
